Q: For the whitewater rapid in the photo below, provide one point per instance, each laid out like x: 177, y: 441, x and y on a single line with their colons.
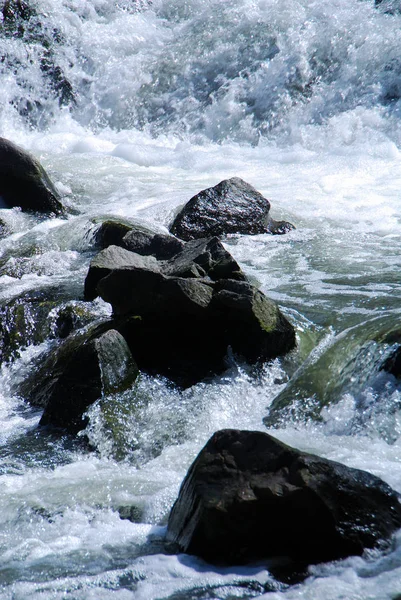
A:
x: 300, y: 99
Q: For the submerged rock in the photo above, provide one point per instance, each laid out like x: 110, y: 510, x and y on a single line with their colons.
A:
x: 75, y: 374
x: 24, y: 182
x: 249, y: 497
x: 232, y: 206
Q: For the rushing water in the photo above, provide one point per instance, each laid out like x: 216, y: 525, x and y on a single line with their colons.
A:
x: 133, y: 106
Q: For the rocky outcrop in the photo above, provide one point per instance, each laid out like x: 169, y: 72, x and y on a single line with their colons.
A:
x: 249, y: 497
x: 24, y: 182
x: 91, y: 363
x: 180, y: 316
x: 232, y: 206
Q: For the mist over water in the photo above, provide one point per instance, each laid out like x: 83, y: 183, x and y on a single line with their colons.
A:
x: 133, y: 107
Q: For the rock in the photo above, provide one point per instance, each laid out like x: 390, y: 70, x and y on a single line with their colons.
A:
x: 146, y: 243
x: 111, y: 233
x: 248, y: 497
x: 254, y: 326
x: 198, y: 259
x: 201, y: 258
x: 137, y: 238
x: 77, y: 373
x: 24, y: 182
x: 137, y: 291
x: 232, y: 206
x: 181, y: 316
x: 111, y: 258
x: 186, y: 326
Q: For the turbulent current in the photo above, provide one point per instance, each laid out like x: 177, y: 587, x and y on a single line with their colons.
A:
x: 133, y: 106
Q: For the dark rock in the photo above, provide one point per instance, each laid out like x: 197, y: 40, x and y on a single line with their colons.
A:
x: 109, y: 259
x: 24, y: 182
x: 187, y: 325
x: 111, y: 233
x: 77, y: 373
x: 181, y: 316
x: 201, y: 258
x: 134, y: 290
x: 137, y: 238
x: 249, y: 497
x: 254, y: 326
x: 147, y: 243
x: 196, y: 259
x: 232, y: 206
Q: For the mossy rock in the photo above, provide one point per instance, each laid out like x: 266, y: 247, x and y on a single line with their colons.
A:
x: 77, y: 372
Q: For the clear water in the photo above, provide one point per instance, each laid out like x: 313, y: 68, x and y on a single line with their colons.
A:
x: 302, y: 100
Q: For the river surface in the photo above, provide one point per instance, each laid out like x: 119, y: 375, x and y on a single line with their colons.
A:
x: 133, y: 107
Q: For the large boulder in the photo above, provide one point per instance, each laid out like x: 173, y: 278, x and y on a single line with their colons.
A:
x: 180, y: 316
x: 186, y: 326
x: 249, y: 497
x: 25, y: 183
x: 232, y: 206
x: 73, y: 376
x: 196, y: 259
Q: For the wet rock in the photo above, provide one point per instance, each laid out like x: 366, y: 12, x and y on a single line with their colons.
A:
x: 232, y: 206
x: 181, y: 316
x: 109, y: 259
x: 77, y: 373
x: 137, y: 238
x: 248, y: 497
x: 111, y: 233
x: 24, y: 182
x: 185, y: 326
x: 148, y: 243
x: 204, y: 258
